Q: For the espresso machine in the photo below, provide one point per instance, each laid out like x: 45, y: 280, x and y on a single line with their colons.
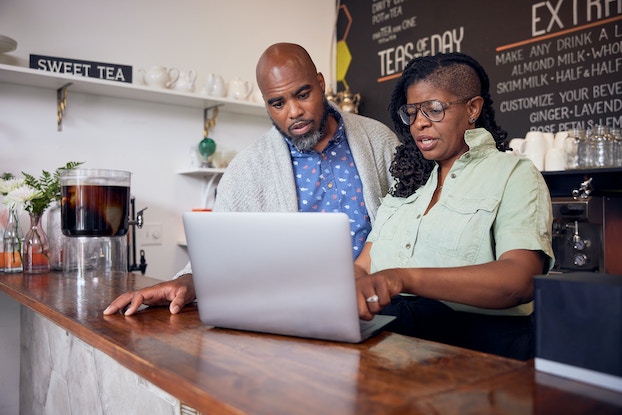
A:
x: 578, y: 234
x: 95, y: 219
x: 587, y: 218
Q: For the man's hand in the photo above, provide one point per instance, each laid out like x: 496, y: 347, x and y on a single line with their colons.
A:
x: 177, y: 292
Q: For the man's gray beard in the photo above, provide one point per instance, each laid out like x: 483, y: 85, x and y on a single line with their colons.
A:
x: 307, y: 141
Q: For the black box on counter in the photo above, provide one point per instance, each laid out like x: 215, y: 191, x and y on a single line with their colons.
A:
x: 579, y: 327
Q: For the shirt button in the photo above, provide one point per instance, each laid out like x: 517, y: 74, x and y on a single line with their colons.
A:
x: 330, y: 185
x: 453, y: 175
x: 419, y: 216
x: 467, y: 155
x: 408, y: 245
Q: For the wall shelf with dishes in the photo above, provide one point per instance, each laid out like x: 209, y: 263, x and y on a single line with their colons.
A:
x: 202, y: 172
x: 18, y: 75
x: 210, y: 177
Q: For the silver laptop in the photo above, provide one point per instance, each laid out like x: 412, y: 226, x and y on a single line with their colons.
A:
x: 283, y: 273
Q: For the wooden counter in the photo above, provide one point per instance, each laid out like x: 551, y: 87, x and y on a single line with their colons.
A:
x: 219, y: 371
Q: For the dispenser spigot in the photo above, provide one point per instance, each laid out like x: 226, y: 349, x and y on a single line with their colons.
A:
x: 139, y: 221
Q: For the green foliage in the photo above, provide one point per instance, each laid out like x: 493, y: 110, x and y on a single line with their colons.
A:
x: 48, y: 185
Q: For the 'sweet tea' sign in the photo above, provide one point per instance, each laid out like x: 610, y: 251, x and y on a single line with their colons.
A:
x: 99, y: 70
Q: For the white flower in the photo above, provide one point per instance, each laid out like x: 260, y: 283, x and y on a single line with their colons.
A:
x: 20, y: 196
x: 9, y: 184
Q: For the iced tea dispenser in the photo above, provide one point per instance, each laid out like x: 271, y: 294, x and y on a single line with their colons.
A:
x: 94, y: 217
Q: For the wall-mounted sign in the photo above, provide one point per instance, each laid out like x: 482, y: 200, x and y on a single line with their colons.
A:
x: 99, y: 70
x: 553, y: 65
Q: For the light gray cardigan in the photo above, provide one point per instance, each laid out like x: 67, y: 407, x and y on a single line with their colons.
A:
x: 261, y: 177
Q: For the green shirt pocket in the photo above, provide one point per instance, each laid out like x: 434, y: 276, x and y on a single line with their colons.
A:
x: 466, y: 231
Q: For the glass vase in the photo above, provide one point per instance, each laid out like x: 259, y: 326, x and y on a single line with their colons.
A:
x: 55, y: 237
x: 2, y: 225
x: 36, y: 247
x: 12, y: 244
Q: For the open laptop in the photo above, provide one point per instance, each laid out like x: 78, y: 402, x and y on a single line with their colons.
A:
x: 284, y: 273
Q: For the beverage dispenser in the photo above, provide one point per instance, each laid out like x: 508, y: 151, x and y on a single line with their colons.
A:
x: 94, y: 217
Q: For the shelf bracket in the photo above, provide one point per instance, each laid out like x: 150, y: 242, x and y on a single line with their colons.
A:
x: 61, y: 104
x: 209, y: 122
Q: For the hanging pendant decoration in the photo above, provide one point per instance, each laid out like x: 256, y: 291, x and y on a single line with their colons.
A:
x: 207, y: 146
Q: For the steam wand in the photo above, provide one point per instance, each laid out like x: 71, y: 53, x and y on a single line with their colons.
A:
x: 136, y: 221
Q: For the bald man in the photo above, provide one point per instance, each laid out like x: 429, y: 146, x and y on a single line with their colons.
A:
x: 313, y: 159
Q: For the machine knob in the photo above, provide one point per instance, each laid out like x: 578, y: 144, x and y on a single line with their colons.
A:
x: 580, y: 259
x: 578, y: 244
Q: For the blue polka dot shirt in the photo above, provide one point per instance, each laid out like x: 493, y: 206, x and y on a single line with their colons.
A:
x: 328, y: 181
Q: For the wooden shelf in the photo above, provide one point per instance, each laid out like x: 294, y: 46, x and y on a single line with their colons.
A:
x: 210, y: 178
x: 18, y: 75
x: 202, y: 172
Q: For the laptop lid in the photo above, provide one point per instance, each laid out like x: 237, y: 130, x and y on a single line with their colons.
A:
x: 285, y: 273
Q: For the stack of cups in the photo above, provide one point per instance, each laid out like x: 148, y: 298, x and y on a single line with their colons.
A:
x: 555, y: 158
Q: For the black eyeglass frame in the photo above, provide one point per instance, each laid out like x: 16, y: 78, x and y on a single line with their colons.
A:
x: 409, y: 119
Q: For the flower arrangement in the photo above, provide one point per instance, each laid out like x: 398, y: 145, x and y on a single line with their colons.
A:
x: 8, y: 183
x: 34, y: 195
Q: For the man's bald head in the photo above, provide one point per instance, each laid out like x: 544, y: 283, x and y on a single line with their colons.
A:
x: 293, y: 92
x: 282, y: 56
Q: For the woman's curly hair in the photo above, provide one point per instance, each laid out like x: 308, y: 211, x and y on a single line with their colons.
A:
x: 456, y: 73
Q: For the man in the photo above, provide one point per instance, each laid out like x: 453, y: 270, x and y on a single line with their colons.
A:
x: 313, y: 158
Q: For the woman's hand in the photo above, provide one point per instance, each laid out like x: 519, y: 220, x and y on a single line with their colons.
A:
x: 177, y: 292
x: 374, y: 291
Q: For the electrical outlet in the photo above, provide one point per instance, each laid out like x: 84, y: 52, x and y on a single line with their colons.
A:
x: 150, y: 234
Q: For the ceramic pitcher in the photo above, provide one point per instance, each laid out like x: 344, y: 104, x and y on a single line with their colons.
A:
x: 239, y: 89
x: 185, y: 82
x: 215, y: 85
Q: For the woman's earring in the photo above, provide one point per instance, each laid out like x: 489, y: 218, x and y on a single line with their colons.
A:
x: 472, y: 120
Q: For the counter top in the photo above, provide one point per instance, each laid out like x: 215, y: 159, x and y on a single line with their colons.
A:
x: 220, y: 371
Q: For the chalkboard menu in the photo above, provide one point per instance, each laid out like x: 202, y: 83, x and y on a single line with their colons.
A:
x: 553, y: 65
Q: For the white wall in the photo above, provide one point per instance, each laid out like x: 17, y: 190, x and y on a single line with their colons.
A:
x: 150, y: 140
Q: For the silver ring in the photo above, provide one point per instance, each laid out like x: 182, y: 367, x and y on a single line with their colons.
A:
x: 372, y: 299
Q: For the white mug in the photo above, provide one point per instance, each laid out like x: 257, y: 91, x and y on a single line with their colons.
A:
x: 560, y: 137
x: 555, y: 160
x: 535, y: 148
x: 549, y: 138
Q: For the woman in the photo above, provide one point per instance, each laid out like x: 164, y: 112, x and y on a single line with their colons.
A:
x: 458, y: 240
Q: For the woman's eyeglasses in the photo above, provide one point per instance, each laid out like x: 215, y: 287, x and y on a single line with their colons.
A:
x: 433, y: 110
